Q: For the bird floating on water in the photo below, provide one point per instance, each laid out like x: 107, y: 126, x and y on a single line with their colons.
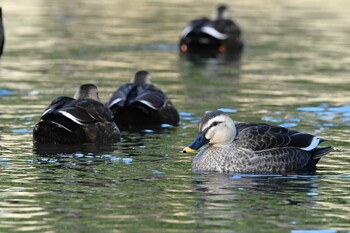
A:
x: 140, y: 103
x: 210, y: 38
x: 82, y: 119
x: 252, y: 148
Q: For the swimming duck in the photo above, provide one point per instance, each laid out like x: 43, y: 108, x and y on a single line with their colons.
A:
x: 206, y: 37
x: 2, y: 34
x: 252, y: 148
x: 82, y: 119
x: 140, y: 103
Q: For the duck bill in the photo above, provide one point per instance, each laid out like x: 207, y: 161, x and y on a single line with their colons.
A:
x: 197, y: 143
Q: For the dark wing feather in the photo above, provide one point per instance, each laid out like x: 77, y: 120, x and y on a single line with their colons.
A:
x: 233, y: 43
x: 148, y: 93
x: 70, y: 121
x: 55, y: 105
x: 168, y: 113
x: 227, y: 26
x: 262, y: 136
x: 88, y: 111
x: 130, y: 94
x: 120, y: 95
x: 195, y: 27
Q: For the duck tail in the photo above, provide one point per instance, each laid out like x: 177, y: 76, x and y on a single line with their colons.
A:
x: 317, y: 153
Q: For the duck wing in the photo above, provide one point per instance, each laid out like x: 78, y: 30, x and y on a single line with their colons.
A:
x: 130, y: 94
x: 86, y: 111
x: 95, y: 119
x: 169, y: 114
x: 194, y: 28
x: 156, y: 99
x: 70, y: 121
x: 55, y: 105
x: 120, y: 96
x: 148, y: 95
x: 227, y: 26
x: 262, y: 136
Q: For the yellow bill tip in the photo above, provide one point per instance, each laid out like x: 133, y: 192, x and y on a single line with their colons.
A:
x: 188, y: 150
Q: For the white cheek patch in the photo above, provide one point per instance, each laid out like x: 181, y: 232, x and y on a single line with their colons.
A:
x: 115, y: 102
x: 71, y: 117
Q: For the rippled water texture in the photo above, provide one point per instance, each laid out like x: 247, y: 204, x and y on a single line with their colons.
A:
x: 294, y: 72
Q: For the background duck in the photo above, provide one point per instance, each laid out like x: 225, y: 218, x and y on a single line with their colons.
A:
x: 140, y: 103
x: 209, y: 38
x: 2, y: 33
x: 82, y: 119
x: 252, y: 148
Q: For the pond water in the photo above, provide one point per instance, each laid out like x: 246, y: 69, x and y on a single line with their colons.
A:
x: 294, y: 72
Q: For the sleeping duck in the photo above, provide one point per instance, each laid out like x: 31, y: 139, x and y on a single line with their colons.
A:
x: 140, y: 103
x: 252, y: 148
x: 82, y: 119
x: 210, y: 38
x: 2, y: 33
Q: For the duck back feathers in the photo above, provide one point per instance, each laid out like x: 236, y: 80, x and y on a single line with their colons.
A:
x: 212, y: 37
x: 72, y: 121
x: 140, y: 104
x: 263, y: 136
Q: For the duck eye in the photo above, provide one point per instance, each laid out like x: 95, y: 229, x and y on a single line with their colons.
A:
x: 215, y: 123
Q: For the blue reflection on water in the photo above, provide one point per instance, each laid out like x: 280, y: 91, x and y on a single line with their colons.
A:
x: 227, y: 110
x: 311, y: 109
x: 5, y: 161
x: 148, y: 131
x: 21, y: 131
x: 157, y: 172
x: 329, y: 113
x: 288, y: 125
x: 4, y: 92
x: 114, y: 159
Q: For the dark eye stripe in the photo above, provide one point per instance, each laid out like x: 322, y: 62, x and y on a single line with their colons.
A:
x: 215, y: 123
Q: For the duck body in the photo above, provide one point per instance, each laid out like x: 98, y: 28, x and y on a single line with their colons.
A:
x: 74, y: 121
x: 212, y: 38
x: 254, y: 148
x: 142, y: 104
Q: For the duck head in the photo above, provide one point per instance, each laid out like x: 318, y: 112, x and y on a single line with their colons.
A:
x: 87, y: 91
x: 221, y: 12
x: 216, y: 128
x: 142, y: 77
